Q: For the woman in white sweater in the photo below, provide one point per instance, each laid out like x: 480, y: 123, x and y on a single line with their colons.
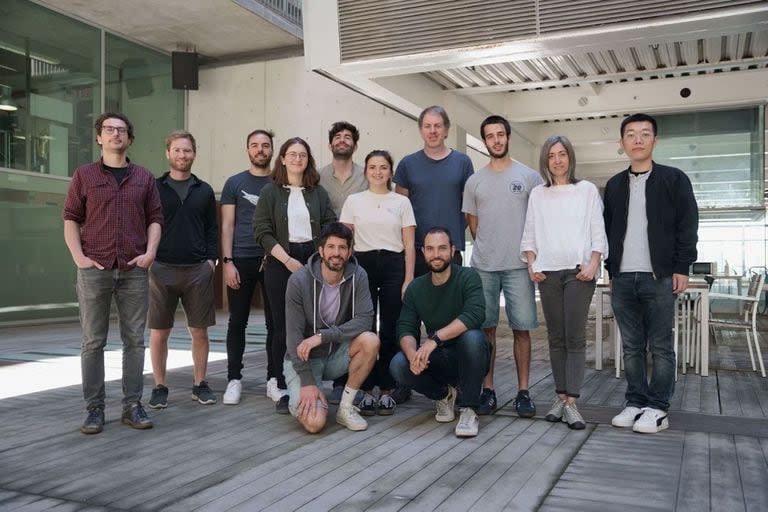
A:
x: 563, y: 242
x: 385, y: 228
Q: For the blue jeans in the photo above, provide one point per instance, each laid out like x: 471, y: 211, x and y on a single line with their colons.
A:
x: 462, y: 363
x: 95, y: 289
x: 645, y: 310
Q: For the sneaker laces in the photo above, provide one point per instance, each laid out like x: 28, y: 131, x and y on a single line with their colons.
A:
x: 368, y: 401
x: 140, y: 413
x: 465, y: 419
x: 387, y: 401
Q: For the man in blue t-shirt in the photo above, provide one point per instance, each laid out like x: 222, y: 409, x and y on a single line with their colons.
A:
x: 433, y: 178
x: 242, y: 258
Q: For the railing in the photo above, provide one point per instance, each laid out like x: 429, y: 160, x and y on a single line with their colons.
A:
x: 288, y: 9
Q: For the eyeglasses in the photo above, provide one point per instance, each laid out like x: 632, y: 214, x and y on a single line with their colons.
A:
x: 296, y: 156
x: 644, y: 135
x: 122, y: 130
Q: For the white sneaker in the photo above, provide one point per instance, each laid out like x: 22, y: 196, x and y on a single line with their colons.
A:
x: 627, y: 417
x: 468, y: 423
x: 444, y: 407
x: 652, y: 421
x: 233, y: 392
x: 349, y: 416
x: 273, y: 392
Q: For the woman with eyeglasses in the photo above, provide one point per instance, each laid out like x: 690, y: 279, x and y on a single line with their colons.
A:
x: 385, y: 228
x: 563, y: 242
x: 289, y: 215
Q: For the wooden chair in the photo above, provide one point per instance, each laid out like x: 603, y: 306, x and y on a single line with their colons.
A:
x: 747, y: 318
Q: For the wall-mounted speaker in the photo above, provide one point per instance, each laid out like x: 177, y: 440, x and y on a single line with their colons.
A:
x: 184, y: 70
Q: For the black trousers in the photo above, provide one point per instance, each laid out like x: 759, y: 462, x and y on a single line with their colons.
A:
x: 276, y: 282
x: 386, y: 273
x: 239, y: 311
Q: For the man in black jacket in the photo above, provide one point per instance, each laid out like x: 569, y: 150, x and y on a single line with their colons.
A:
x: 183, y: 268
x: 651, y: 219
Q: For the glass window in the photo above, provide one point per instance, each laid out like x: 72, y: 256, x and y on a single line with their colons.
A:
x: 138, y: 84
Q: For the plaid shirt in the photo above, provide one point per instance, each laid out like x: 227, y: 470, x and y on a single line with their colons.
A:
x: 113, y: 219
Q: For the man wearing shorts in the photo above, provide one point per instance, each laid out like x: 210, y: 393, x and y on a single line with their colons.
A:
x: 496, y: 201
x: 183, y: 268
x: 328, y: 314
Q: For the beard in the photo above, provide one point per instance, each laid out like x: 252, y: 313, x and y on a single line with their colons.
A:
x: 260, y: 160
x: 438, y: 265
x: 342, y: 153
x: 335, y: 264
x: 182, y: 166
x: 503, y: 153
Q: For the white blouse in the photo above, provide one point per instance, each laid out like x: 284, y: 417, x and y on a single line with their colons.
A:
x: 299, y: 226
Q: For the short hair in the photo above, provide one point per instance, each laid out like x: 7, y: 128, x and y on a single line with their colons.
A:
x: 337, y: 229
x: 434, y: 230
x: 549, y: 180
x: 114, y: 115
x: 437, y: 110
x: 340, y: 126
x: 494, y: 119
x: 638, y: 118
x: 280, y: 174
x: 383, y: 153
x: 180, y: 134
x: 267, y: 133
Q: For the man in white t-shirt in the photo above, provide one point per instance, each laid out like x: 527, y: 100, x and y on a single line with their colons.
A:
x: 495, y: 202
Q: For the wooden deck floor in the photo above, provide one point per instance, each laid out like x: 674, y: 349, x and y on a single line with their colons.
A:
x: 248, y: 458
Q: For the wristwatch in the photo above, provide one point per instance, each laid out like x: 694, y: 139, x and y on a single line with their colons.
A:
x: 434, y: 337
x: 226, y: 260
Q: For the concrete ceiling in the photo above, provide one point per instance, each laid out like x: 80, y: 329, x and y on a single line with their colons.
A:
x: 216, y: 29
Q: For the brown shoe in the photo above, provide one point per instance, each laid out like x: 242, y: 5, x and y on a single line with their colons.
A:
x: 136, y: 416
x: 94, y: 423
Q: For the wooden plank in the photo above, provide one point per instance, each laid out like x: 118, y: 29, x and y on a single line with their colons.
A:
x: 729, y: 393
x: 676, y: 400
x: 760, y: 385
x: 724, y: 474
x: 692, y: 394
x: 753, y: 472
x: 710, y: 394
x: 750, y: 405
x: 694, y: 491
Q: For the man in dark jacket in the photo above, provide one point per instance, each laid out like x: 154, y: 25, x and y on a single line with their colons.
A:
x: 651, y: 219
x: 183, y: 268
x: 328, y: 314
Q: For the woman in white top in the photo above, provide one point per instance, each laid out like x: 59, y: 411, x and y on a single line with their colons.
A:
x: 290, y: 212
x: 385, y: 228
x: 563, y: 242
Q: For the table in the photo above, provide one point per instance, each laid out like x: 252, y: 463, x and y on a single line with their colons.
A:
x: 695, y: 285
x: 729, y: 277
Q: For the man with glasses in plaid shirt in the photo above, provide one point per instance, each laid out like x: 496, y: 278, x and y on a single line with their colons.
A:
x: 112, y: 223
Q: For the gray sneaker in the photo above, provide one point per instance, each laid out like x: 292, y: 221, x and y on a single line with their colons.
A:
x: 468, y: 424
x: 445, y: 406
x: 135, y: 416
x: 572, y: 417
x: 555, y: 413
x: 203, y: 394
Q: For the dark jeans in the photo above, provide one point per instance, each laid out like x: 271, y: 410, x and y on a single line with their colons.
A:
x: 276, y: 282
x: 565, y: 302
x: 462, y: 362
x: 239, y: 311
x: 95, y: 289
x: 386, y: 273
x: 645, y: 309
x: 421, y: 267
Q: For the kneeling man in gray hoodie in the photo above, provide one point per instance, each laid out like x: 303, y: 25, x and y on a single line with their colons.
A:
x: 328, y: 317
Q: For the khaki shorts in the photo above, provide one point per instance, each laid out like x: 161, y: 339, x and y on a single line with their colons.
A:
x: 193, y: 284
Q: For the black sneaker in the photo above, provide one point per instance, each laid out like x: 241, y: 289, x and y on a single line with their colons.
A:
x: 386, y: 405
x: 524, y: 405
x: 159, y: 398
x: 202, y: 393
x: 281, y: 407
x: 368, y: 405
x: 401, y: 394
x: 94, y: 422
x: 488, y: 403
x: 135, y: 416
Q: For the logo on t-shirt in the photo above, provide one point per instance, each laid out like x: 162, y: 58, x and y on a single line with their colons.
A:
x: 252, y: 198
x: 517, y: 187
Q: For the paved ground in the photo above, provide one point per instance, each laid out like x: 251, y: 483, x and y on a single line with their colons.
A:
x: 248, y: 458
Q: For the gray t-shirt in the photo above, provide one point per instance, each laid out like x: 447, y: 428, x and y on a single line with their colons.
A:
x: 499, y: 200
x: 637, y: 253
x: 338, y: 191
x: 181, y: 187
x: 435, y: 188
x: 330, y: 303
x: 242, y: 190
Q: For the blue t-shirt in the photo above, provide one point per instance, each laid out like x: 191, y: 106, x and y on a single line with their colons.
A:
x: 435, y: 188
x: 242, y: 190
